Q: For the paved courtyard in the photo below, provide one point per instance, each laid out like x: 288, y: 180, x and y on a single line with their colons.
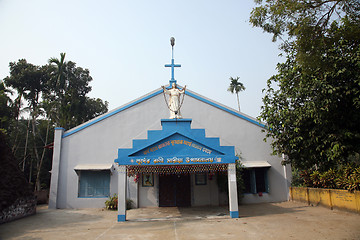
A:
x: 287, y: 220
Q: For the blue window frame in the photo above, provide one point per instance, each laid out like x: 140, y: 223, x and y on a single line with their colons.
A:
x: 94, y: 184
x: 255, y: 180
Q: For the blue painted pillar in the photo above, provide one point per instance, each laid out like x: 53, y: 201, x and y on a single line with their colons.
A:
x: 233, y: 197
x: 122, y: 193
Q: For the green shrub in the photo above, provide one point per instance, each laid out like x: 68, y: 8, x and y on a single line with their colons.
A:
x: 344, y: 177
x: 112, y: 203
x: 329, y: 179
x: 350, y: 179
x: 222, y: 181
x: 297, y: 179
x: 315, y: 178
x: 305, y: 175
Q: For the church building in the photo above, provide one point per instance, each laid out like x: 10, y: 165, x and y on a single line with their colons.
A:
x: 168, y: 147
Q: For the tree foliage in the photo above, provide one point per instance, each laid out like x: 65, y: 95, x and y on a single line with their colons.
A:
x: 67, y: 92
x: 312, y: 106
x: 6, y: 109
x: 235, y: 87
x: 51, y: 95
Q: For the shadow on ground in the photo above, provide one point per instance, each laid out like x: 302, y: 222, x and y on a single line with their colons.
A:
x: 263, y: 209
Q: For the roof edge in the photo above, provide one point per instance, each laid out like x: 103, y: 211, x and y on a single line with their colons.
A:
x: 113, y: 112
x: 153, y: 94
x: 225, y: 108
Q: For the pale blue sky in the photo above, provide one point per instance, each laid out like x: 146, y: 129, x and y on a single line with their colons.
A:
x: 125, y: 45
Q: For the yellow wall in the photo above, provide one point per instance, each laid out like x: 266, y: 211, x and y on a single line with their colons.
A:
x: 332, y: 198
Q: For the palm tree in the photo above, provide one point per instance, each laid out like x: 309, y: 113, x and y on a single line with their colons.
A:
x: 236, y: 86
x: 58, y: 87
x: 58, y: 74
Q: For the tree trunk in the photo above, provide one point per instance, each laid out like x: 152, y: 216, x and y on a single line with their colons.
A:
x: 14, y: 147
x: 37, y: 182
x: 26, y: 143
x: 34, y: 142
x: 237, y: 95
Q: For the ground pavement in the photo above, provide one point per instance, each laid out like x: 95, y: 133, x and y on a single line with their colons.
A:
x: 287, y: 220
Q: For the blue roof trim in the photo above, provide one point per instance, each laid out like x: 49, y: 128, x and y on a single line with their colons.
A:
x: 111, y: 113
x: 224, y: 108
x: 106, y: 115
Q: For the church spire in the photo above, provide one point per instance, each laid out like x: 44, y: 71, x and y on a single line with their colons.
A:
x: 172, y: 65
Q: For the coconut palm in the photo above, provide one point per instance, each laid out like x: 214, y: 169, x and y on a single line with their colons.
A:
x: 58, y: 76
x: 235, y: 87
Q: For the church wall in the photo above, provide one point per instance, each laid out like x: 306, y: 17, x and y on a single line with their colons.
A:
x: 247, y: 139
x: 98, y: 144
x: 132, y: 191
x: 149, y: 196
x: 205, y: 195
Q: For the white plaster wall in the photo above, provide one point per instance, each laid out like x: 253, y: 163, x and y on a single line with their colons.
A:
x: 205, y: 195
x: 149, y: 196
x: 98, y: 144
x: 132, y: 192
x: 247, y: 139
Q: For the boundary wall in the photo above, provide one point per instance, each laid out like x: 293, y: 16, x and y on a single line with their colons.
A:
x: 22, y: 207
x: 331, y: 198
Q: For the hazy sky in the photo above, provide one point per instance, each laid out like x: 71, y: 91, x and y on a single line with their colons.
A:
x: 125, y: 45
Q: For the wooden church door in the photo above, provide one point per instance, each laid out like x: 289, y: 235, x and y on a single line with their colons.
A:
x: 174, y: 190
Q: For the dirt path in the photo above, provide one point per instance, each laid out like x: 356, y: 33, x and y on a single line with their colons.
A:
x: 287, y: 220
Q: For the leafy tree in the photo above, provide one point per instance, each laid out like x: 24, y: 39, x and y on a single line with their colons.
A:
x: 235, y: 87
x: 66, y: 96
x: 29, y: 80
x: 53, y: 94
x: 6, y: 110
x: 21, y: 74
x: 312, y: 106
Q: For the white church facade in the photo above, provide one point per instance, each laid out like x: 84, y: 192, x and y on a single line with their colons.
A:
x: 137, y: 152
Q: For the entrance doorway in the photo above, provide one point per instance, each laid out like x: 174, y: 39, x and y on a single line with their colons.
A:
x: 174, y: 190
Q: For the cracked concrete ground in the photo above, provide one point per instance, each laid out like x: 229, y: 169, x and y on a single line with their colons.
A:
x: 287, y: 220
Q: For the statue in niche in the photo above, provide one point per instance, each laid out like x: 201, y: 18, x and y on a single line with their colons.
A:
x: 174, y: 103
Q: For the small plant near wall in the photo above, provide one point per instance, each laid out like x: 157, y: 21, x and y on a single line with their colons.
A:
x: 112, y: 203
x: 222, y: 180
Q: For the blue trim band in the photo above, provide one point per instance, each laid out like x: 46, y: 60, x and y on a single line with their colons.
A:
x: 225, y: 109
x: 112, y: 113
x: 59, y: 128
x: 121, y: 218
x: 234, y: 214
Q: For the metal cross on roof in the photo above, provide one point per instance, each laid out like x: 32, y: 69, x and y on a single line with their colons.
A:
x: 172, y: 65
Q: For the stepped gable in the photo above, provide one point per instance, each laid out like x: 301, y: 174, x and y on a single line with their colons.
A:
x: 179, y: 141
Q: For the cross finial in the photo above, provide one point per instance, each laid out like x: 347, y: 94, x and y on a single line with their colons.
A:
x: 172, y: 65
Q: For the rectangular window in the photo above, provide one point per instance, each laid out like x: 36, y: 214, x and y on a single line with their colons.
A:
x: 94, y: 183
x: 260, y: 179
x: 247, y: 180
x: 255, y: 180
